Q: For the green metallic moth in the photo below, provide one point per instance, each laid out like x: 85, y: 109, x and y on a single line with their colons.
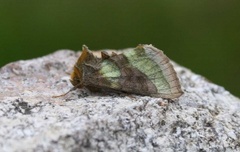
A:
x: 144, y: 70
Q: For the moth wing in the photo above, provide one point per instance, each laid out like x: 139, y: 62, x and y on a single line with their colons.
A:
x: 144, y: 70
x: 137, y: 84
x: 156, y: 65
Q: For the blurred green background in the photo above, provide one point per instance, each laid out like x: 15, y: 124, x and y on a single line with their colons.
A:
x: 201, y: 35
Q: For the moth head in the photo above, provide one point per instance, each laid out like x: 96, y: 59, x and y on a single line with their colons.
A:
x: 76, y: 77
x: 77, y: 74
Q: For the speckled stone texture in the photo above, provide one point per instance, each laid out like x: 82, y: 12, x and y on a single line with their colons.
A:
x: 205, y: 118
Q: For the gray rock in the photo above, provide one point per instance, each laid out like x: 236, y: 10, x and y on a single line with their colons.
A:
x: 205, y: 118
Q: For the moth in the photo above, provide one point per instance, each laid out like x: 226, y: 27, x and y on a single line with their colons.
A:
x: 144, y: 70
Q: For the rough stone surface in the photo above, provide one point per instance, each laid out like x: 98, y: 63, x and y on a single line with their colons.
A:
x: 205, y: 118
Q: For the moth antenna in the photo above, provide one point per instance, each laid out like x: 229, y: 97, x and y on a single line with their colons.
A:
x: 73, y: 88
x: 62, y: 94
